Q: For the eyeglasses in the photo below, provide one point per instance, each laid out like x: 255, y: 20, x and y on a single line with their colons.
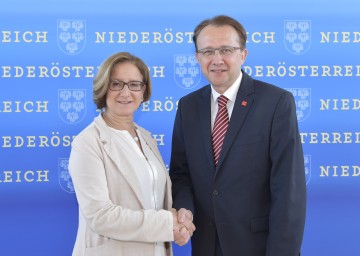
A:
x: 223, y: 51
x: 132, y: 85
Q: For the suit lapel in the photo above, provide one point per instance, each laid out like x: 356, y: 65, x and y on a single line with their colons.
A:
x: 244, y: 100
x: 205, y: 122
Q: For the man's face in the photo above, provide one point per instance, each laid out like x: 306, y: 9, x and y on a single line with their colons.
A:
x: 220, y: 70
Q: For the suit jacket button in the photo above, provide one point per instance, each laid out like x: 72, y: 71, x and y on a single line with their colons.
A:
x: 215, y: 192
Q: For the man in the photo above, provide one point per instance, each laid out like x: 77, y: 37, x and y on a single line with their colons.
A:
x: 240, y: 172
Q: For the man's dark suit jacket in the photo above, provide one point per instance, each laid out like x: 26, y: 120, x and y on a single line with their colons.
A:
x: 255, y: 198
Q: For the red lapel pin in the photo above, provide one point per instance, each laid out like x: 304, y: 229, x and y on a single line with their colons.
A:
x: 244, y: 103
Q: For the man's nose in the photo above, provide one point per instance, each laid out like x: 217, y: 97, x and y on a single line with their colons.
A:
x: 217, y: 57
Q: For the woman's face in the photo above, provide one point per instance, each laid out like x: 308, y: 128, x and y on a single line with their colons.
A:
x: 124, y: 102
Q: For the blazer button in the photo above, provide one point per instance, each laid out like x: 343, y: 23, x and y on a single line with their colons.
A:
x: 215, y: 192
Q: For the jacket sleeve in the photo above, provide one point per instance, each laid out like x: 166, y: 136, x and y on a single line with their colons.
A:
x: 287, y: 184
x: 105, y: 218
x: 182, y: 191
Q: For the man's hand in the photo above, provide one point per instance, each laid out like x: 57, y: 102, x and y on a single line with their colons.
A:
x: 181, y: 233
x: 185, y: 217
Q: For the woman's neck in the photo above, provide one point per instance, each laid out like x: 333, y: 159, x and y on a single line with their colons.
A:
x: 118, y: 123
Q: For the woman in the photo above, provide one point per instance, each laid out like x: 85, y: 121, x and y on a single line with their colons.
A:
x: 121, y: 184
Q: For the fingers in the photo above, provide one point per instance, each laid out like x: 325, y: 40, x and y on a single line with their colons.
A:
x: 190, y: 227
x: 184, y: 214
x: 181, y: 236
x: 185, y: 217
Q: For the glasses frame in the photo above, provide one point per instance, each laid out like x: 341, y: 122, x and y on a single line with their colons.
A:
x: 220, y: 50
x: 126, y: 83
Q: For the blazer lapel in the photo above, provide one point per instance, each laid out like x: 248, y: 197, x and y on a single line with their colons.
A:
x: 111, y: 149
x: 244, y: 100
x: 154, y: 148
x: 152, y: 143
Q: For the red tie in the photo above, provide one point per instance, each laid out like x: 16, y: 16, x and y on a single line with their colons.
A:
x: 220, y: 127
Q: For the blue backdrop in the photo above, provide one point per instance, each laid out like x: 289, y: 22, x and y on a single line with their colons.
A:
x: 49, y: 54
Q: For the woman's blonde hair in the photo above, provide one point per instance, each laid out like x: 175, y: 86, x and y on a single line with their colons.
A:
x: 102, y: 79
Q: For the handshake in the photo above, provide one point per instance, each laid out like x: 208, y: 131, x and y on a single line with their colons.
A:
x: 183, y: 226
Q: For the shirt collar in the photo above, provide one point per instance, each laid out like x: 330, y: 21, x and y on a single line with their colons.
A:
x: 231, y: 92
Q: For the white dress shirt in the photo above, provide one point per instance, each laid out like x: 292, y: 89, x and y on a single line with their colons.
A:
x: 230, y: 93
